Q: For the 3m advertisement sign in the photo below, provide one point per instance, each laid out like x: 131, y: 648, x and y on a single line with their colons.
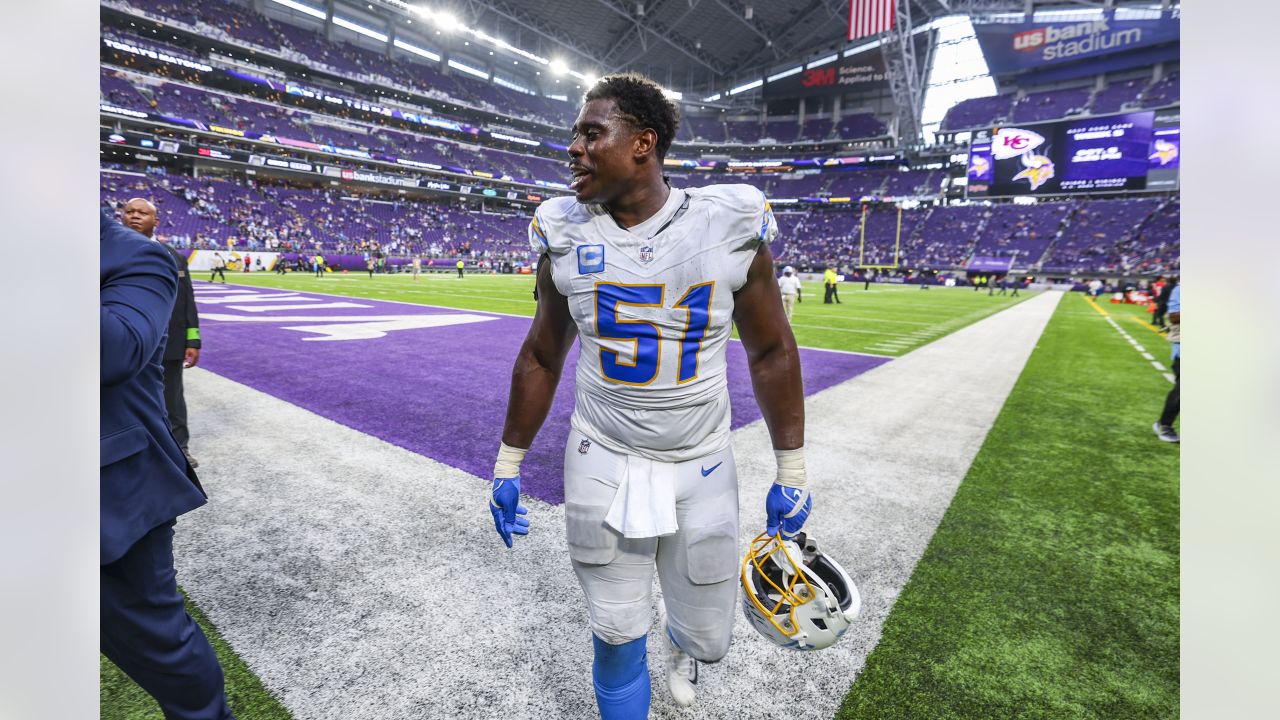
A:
x: 856, y: 73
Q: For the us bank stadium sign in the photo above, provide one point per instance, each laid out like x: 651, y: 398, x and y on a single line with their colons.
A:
x: 1015, y: 47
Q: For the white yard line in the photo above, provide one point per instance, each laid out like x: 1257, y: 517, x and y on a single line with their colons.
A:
x: 1160, y: 368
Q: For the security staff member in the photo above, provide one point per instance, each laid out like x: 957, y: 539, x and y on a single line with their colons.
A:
x: 829, y: 280
x: 182, y: 349
x: 145, y: 483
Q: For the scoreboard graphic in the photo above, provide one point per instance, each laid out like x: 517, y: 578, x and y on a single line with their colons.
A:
x: 1127, y: 152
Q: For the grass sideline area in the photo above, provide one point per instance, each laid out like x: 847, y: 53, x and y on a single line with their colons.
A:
x: 120, y: 698
x: 885, y: 320
x: 1051, y: 588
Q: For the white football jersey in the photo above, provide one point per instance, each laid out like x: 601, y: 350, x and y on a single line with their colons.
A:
x: 654, y: 310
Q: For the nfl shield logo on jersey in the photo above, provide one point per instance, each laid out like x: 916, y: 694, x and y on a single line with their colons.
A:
x: 646, y: 254
x: 584, y: 446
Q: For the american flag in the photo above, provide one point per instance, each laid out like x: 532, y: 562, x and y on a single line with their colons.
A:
x: 869, y: 17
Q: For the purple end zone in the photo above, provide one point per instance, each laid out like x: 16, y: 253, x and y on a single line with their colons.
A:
x: 437, y: 391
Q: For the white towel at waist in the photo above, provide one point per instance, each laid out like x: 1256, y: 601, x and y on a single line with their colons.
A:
x: 645, y: 503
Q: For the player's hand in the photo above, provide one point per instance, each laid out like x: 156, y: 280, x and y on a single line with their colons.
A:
x: 191, y: 357
x: 786, y: 508
x: 508, y: 513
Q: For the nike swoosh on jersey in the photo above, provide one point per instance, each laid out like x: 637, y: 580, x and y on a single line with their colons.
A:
x: 708, y: 471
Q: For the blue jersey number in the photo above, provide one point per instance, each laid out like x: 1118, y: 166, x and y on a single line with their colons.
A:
x: 645, y: 336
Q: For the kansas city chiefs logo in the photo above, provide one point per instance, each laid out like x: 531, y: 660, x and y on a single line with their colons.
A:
x: 1012, y: 142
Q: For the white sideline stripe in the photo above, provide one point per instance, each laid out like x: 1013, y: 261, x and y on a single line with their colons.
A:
x: 1141, y: 350
x: 437, y: 319
x: 360, y: 580
x: 254, y: 298
x: 274, y: 308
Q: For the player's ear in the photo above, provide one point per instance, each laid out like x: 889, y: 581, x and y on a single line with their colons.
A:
x: 646, y: 142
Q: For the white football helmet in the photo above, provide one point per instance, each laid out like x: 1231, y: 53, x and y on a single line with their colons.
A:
x: 795, y: 595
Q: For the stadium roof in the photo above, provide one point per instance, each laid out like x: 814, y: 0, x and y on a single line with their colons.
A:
x: 686, y: 44
x: 704, y: 46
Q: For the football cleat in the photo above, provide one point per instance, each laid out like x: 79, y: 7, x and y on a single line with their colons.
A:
x: 682, y: 673
x: 795, y: 595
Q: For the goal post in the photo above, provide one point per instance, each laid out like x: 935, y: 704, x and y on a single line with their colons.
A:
x: 862, y: 243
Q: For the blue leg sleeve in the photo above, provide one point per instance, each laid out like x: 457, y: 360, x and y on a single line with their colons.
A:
x: 621, y: 674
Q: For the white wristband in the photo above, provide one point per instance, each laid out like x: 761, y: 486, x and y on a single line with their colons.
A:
x: 509, y: 459
x: 790, y: 467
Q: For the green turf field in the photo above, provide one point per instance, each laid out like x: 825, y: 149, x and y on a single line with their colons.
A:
x: 885, y: 320
x: 122, y: 699
x: 1050, y: 589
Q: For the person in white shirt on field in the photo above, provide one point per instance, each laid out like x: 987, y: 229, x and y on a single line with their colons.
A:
x: 789, y: 285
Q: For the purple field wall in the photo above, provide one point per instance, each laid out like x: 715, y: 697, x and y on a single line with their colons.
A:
x: 438, y: 391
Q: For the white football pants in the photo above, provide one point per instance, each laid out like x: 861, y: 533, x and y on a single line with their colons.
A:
x: 697, y: 566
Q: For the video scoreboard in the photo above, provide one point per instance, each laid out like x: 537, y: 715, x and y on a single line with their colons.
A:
x: 1127, y: 152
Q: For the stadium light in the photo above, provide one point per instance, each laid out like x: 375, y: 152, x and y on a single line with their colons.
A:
x: 359, y: 29
x: 749, y: 86
x: 558, y: 67
x: 304, y: 9
x: 446, y: 21
x: 590, y: 79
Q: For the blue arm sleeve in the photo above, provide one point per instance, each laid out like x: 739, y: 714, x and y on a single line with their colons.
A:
x: 136, y: 301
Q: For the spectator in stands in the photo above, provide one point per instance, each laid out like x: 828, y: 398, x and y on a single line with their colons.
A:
x: 1164, y: 426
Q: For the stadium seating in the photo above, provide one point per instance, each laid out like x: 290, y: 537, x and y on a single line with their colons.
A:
x: 205, y: 213
x: 859, y: 126
x: 743, y: 131
x: 1050, y: 105
x: 784, y: 131
x: 1162, y: 92
x: 1113, y: 97
x: 707, y: 129
x: 1094, y: 230
x: 1077, y: 237
x: 1021, y: 231
x: 977, y: 112
x: 817, y: 129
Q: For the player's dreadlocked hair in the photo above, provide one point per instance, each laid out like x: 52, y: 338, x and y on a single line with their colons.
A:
x: 641, y: 101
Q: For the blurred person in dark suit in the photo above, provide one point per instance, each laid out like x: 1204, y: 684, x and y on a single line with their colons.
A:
x: 182, y: 350
x: 145, y: 483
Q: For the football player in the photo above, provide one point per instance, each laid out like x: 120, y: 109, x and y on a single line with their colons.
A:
x: 652, y: 280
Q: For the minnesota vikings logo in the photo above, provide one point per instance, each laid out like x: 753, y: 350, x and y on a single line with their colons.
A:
x: 584, y: 446
x: 1039, y: 170
x: 1166, y: 152
x: 646, y: 254
x: 979, y: 166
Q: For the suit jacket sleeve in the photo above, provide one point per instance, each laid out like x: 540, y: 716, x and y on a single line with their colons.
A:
x: 136, y: 300
x: 189, y: 298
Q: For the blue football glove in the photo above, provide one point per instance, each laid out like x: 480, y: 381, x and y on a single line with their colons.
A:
x: 508, y: 513
x: 787, y: 507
